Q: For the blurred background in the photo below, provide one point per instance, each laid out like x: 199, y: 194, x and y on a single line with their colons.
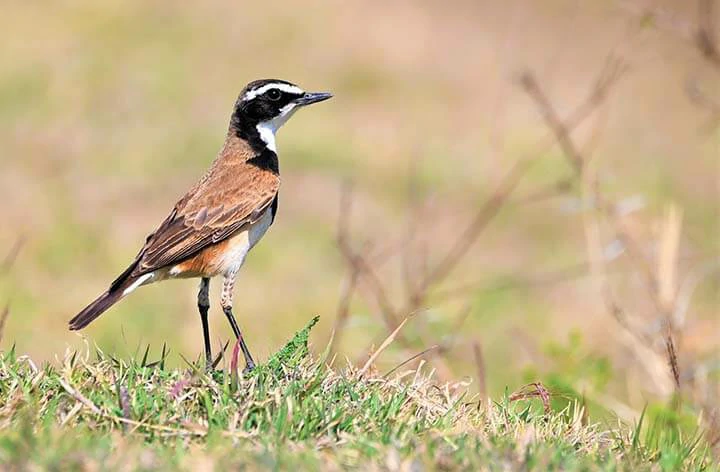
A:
x: 535, y: 182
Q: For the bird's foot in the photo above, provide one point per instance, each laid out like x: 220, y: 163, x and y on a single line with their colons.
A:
x: 249, y: 367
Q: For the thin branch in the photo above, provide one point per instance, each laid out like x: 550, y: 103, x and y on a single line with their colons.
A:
x: 409, y: 360
x: 481, y: 371
x: 533, y: 390
x: 687, y: 289
x: 3, y: 318
x: 552, y: 119
x: 382, y: 347
x: 672, y: 357
x: 410, y: 270
x: 556, y: 189
x: 343, y: 311
x: 467, y: 238
x: 661, y: 286
x: 703, y: 100
x: 12, y: 255
x: 706, y: 38
x: 358, y: 263
x: 610, y: 74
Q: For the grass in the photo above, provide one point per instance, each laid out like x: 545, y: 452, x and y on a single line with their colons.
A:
x: 110, y: 111
x: 93, y: 411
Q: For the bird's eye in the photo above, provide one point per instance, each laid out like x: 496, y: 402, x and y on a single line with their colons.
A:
x: 274, y: 94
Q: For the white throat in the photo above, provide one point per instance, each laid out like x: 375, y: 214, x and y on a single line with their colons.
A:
x: 267, y: 129
x: 267, y: 134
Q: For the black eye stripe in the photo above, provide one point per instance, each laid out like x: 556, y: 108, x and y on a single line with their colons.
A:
x: 276, y: 97
x: 275, y: 94
x: 266, y: 104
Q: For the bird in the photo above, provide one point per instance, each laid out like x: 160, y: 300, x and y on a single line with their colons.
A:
x: 211, y: 228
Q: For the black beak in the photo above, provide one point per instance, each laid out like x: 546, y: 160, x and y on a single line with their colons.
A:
x: 312, y: 97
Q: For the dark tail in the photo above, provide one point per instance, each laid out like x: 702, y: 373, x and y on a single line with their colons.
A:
x: 100, y: 305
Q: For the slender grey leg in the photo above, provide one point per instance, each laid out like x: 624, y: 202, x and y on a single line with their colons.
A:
x: 203, y: 307
x: 226, y: 302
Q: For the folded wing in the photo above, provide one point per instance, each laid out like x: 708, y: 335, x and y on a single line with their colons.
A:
x: 217, y: 207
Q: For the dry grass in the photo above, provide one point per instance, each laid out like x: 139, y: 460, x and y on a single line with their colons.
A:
x: 298, y: 412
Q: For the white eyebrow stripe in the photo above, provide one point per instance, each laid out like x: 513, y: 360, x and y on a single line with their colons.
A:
x: 275, y: 85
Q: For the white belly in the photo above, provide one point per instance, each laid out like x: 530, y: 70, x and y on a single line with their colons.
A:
x: 231, y: 260
x: 241, y: 243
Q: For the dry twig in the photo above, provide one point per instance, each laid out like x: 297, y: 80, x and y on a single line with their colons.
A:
x: 421, y: 281
x: 382, y: 347
x: 533, y: 390
x: 706, y: 35
x: 481, y: 372
x: 661, y: 285
x: 3, y: 319
x: 12, y: 255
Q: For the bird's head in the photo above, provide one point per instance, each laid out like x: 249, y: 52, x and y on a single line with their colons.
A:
x: 265, y: 105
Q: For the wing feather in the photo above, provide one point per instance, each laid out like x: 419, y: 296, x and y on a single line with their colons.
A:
x: 222, y: 203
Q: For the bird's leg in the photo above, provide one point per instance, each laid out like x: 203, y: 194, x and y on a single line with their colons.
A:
x: 203, y: 307
x: 226, y: 302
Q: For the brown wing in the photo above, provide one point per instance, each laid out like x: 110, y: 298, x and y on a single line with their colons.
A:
x: 230, y: 196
